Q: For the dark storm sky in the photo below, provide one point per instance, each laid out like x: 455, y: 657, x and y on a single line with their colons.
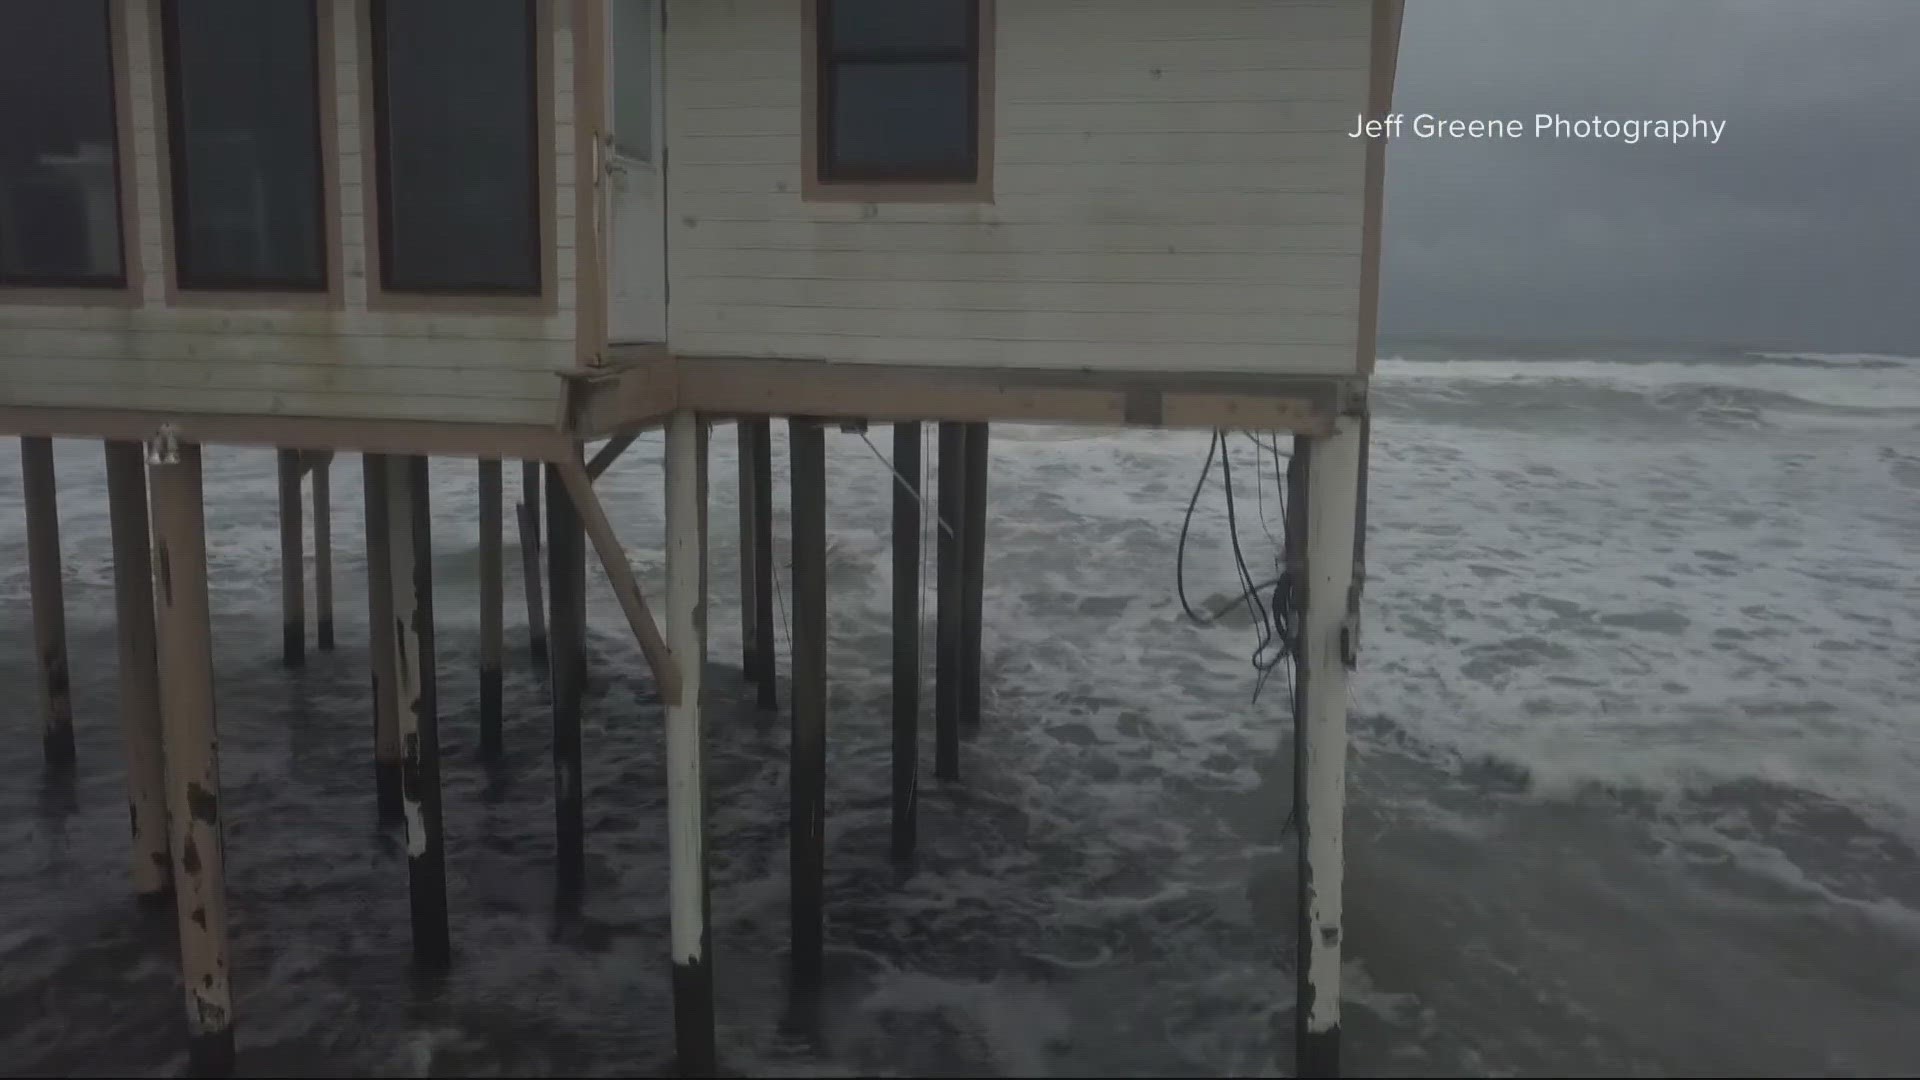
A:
x: 1798, y: 229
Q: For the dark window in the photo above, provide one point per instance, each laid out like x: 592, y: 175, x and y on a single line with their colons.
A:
x: 59, y: 152
x: 899, y: 90
x: 243, y: 123
x: 454, y: 99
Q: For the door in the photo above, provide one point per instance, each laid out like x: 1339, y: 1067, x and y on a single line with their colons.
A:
x: 636, y: 185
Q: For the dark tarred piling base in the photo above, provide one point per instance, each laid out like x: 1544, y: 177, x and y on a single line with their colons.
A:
x: 386, y: 782
x: 326, y: 635
x: 1319, y: 1053
x: 696, y: 1054
x: 210, y: 1054
x: 490, y: 710
x: 57, y: 747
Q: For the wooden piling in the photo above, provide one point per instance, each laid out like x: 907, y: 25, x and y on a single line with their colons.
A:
x: 410, y: 551
x: 806, y: 449
x: 527, y: 513
x: 686, y: 777
x: 293, y: 588
x: 566, y: 660
x: 492, y: 609
x: 749, y: 660
x: 40, y: 493
x: 947, y: 611
x: 973, y: 553
x: 139, y: 668
x: 766, y: 659
x: 906, y: 639
x: 185, y: 676
x: 1331, y: 472
x: 381, y: 647
x: 322, y: 473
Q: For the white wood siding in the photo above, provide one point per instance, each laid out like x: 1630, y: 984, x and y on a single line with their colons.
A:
x: 1173, y: 190
x: 346, y: 361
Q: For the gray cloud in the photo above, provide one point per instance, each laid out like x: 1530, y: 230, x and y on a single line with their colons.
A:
x: 1798, y: 228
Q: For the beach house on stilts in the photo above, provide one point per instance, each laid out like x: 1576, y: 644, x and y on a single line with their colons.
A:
x: 503, y: 229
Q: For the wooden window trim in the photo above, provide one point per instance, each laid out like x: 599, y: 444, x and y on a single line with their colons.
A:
x: 542, y: 297
x: 815, y: 188
x: 167, y: 101
x: 122, y: 289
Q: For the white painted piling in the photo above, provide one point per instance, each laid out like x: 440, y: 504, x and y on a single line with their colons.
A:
x: 686, y: 784
x: 766, y: 660
x: 1332, y: 503
x: 139, y: 668
x: 185, y: 665
x: 749, y: 659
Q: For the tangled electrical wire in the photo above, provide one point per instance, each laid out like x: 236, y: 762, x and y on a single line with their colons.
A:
x: 1275, y: 619
x: 1268, y: 602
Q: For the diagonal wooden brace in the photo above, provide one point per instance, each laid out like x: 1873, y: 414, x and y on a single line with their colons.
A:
x: 608, y: 454
x: 620, y: 573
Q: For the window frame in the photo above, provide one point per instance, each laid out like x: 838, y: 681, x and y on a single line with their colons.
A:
x: 540, y: 193
x: 179, y: 220
x: 112, y: 289
x: 824, y: 181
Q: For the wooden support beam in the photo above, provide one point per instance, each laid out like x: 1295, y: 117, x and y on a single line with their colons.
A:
x: 381, y: 645
x: 806, y: 450
x: 608, y: 454
x: 566, y: 644
x: 139, y: 668
x: 906, y: 639
x: 948, y: 618
x: 749, y: 637
x: 492, y: 609
x: 281, y: 431
x: 1331, y: 481
x: 410, y: 549
x: 626, y: 588
x: 528, y: 514
x: 767, y: 660
x: 321, y: 466
x: 973, y: 554
x: 686, y: 771
x: 40, y: 491
x: 293, y: 584
x: 734, y: 386
x: 185, y: 667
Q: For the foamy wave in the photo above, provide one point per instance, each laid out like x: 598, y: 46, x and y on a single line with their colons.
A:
x: 1838, y: 360
x: 1885, y: 388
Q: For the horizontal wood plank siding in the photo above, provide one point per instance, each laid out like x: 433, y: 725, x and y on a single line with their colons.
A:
x: 1173, y: 190
x: 348, y: 361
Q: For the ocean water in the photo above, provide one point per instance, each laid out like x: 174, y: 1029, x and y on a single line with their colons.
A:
x: 1633, y: 782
